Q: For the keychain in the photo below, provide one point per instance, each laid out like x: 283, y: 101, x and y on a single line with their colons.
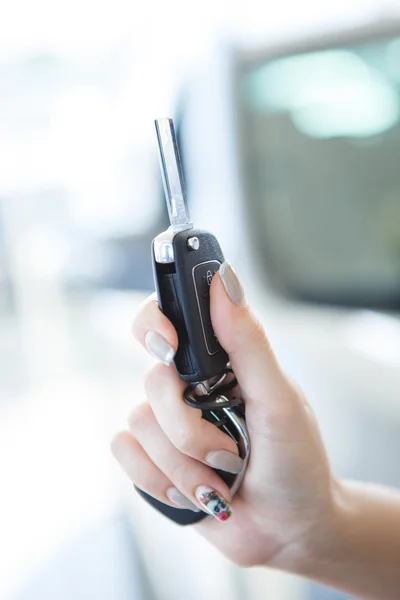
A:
x: 185, y: 260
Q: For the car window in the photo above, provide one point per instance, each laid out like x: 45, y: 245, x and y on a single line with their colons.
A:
x: 320, y: 136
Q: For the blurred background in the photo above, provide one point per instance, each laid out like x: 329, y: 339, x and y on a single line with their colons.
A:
x: 289, y: 125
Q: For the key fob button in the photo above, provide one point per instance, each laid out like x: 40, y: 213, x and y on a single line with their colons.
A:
x: 202, y: 277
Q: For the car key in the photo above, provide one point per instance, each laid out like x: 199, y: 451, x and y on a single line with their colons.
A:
x: 185, y: 260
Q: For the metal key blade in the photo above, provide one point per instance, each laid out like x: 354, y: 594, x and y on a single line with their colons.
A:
x: 171, y: 168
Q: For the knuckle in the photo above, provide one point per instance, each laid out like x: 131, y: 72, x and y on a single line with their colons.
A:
x: 183, y: 440
x: 178, y: 473
x: 118, y: 442
x: 147, y: 483
x: 139, y: 318
x: 154, y: 380
x: 140, y: 417
x: 135, y: 326
x: 256, y: 330
x: 257, y: 335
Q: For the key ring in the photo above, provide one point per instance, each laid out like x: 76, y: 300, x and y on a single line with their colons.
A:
x: 211, y: 394
x: 225, y: 411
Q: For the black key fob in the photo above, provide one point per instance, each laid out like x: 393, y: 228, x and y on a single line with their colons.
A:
x: 184, y: 262
x: 183, y: 288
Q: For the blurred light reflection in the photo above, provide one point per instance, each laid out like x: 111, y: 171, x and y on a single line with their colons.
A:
x: 328, y: 94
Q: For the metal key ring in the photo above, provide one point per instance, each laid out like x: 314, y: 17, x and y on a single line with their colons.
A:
x: 210, y: 396
x: 199, y: 394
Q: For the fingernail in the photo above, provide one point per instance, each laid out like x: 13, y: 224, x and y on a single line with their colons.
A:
x: 159, y: 347
x: 213, y: 503
x: 224, y: 460
x: 231, y: 282
x: 180, y: 500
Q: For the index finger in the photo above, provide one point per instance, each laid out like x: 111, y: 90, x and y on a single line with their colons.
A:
x: 154, y: 331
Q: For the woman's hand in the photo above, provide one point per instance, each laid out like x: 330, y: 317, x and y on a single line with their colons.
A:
x: 287, y: 493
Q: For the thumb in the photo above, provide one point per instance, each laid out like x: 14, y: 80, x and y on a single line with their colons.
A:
x: 267, y: 392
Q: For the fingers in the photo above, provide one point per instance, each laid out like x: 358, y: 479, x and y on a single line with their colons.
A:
x: 238, y: 331
x: 269, y: 396
x: 273, y: 408
x: 144, y: 473
x: 155, y: 465
x: 184, y: 426
x: 155, y: 332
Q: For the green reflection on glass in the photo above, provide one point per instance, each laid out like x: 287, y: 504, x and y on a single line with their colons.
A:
x: 327, y: 94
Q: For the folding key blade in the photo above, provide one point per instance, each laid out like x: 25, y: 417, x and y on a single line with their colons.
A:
x: 171, y: 168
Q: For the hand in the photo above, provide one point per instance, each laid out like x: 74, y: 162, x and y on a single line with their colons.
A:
x: 287, y: 494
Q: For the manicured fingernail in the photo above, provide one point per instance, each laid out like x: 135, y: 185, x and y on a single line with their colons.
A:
x: 224, y: 460
x: 180, y: 500
x: 159, y: 347
x: 213, y: 503
x: 232, y: 284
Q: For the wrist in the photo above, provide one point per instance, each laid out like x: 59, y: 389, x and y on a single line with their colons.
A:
x: 326, y: 546
x: 322, y: 541
x: 355, y: 547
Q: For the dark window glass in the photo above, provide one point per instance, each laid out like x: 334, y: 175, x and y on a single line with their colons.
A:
x: 321, y: 163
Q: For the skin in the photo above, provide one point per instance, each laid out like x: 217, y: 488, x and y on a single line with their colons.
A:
x: 299, y: 517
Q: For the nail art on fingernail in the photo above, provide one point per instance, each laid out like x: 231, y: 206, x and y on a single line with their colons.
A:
x: 213, y: 503
x: 180, y: 500
x: 232, y: 285
x: 159, y: 347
